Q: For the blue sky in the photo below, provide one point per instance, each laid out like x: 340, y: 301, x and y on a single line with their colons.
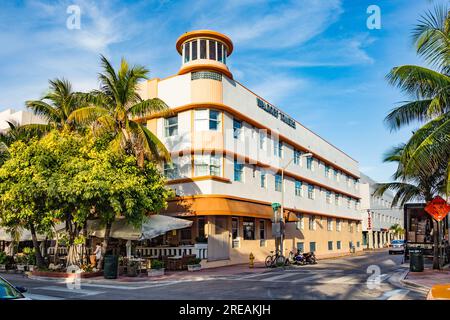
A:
x: 316, y: 60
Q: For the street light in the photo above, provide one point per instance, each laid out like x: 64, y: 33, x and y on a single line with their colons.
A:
x: 305, y: 155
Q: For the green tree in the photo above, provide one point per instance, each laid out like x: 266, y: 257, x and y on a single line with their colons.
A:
x: 397, y: 230
x: 113, y: 108
x: 72, y: 177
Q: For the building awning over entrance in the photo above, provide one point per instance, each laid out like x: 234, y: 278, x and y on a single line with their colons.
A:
x: 218, y: 206
x: 153, y: 226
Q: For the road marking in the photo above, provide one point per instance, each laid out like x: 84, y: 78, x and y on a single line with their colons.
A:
x: 344, y: 279
x: 65, y: 289
x: 278, y: 277
x: 397, y: 294
x: 314, y: 277
x: 254, y: 275
x: 33, y: 296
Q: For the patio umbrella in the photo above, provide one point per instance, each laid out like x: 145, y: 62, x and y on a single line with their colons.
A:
x: 152, y: 226
x: 25, y: 235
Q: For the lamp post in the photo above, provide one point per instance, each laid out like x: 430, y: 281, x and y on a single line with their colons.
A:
x: 305, y: 155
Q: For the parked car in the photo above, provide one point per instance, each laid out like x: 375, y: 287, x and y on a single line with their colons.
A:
x: 397, y: 246
x: 10, y: 292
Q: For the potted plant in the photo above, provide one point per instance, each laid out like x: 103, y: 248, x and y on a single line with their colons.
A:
x: 132, y: 268
x: 21, y: 262
x: 157, y: 268
x: 29, y: 258
x: 194, y: 264
x: 3, y: 261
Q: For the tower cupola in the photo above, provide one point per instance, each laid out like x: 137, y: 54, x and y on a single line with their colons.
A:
x: 204, y: 50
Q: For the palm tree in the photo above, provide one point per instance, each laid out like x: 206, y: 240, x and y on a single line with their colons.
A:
x: 397, y: 230
x: 428, y: 147
x: 111, y: 110
x: 56, y: 106
x: 421, y: 186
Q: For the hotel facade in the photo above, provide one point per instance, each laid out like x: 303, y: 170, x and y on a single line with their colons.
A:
x: 229, y: 146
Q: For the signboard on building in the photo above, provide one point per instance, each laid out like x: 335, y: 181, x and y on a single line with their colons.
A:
x: 275, y: 112
x: 369, y: 220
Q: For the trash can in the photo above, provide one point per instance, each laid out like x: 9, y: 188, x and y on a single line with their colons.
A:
x: 111, y: 267
x: 416, y: 260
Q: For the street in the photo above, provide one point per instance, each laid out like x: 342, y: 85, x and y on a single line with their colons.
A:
x: 334, y: 279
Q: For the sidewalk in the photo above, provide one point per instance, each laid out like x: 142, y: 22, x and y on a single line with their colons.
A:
x: 180, y: 275
x: 428, y: 278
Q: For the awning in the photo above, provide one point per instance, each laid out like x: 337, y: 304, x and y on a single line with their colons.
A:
x: 25, y: 235
x: 153, y: 226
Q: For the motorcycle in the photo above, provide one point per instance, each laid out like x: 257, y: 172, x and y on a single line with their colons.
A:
x: 310, y: 258
x: 297, y: 258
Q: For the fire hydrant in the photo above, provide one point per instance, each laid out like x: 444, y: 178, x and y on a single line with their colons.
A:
x: 251, y: 258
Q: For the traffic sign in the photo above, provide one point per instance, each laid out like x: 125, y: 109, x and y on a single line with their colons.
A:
x: 438, y: 208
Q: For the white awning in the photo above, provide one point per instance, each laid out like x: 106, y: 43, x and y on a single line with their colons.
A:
x: 153, y: 226
x: 25, y: 235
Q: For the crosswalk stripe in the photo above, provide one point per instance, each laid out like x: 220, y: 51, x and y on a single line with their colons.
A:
x: 396, y: 294
x: 253, y: 275
x: 33, y: 296
x: 278, y: 277
x: 314, y: 277
x: 65, y: 289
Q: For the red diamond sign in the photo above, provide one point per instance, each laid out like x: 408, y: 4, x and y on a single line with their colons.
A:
x: 438, y: 208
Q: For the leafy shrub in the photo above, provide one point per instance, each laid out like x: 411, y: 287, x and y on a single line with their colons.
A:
x: 157, y: 264
x: 194, y: 261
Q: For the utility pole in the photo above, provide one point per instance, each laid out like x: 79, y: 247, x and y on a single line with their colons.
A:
x: 305, y: 155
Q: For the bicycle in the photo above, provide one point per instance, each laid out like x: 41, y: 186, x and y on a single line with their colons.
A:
x: 275, y: 260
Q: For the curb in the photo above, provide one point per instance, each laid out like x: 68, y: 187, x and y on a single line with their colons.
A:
x: 415, y: 285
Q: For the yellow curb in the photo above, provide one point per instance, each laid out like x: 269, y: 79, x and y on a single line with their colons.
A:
x: 439, y: 292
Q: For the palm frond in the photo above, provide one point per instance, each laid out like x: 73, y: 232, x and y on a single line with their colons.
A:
x: 150, y: 107
x: 87, y: 115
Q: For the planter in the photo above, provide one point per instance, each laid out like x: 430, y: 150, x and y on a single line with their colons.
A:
x: 3, y: 267
x: 132, y: 271
x: 31, y: 268
x: 155, y: 272
x: 194, y: 267
x: 21, y: 267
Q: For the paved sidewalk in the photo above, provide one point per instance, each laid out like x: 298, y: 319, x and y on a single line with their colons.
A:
x: 428, y: 278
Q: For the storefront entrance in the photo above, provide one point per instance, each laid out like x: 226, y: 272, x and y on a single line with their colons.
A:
x: 219, y: 240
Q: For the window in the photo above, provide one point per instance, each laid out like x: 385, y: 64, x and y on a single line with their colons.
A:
x: 171, y: 170
x: 356, y: 204
x: 330, y: 245
x: 187, y: 52
x: 347, y: 179
x: 235, y: 227
x: 350, y: 227
x: 238, y: 171
x: 338, y: 224
x: 298, y: 188
x: 338, y: 245
x: 358, y: 244
x: 312, y: 223
x: 278, y: 148
x: 349, y: 201
x: 310, y: 191
x: 171, y: 126
x: 309, y: 163
x: 237, y: 127
x: 262, y: 139
x: 301, y: 246
x: 202, y: 49
x: 263, y: 178
x: 206, y: 75
x: 186, y: 235
x: 297, y: 157
x: 336, y: 175
x: 312, y: 246
x: 327, y: 171
x: 328, y: 197
x: 262, y: 229
x: 329, y: 224
x: 278, y: 182
x: 336, y: 199
x: 206, y: 119
x: 300, y: 223
x: 350, y: 244
x: 224, y: 55
x: 249, y: 229
x: 212, y: 50
x: 205, y: 165
x: 219, y: 52
x: 194, y: 50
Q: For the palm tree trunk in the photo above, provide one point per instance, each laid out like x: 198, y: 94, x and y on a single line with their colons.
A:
x: 37, y: 250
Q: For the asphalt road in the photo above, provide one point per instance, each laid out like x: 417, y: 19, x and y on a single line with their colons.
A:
x: 371, y: 276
